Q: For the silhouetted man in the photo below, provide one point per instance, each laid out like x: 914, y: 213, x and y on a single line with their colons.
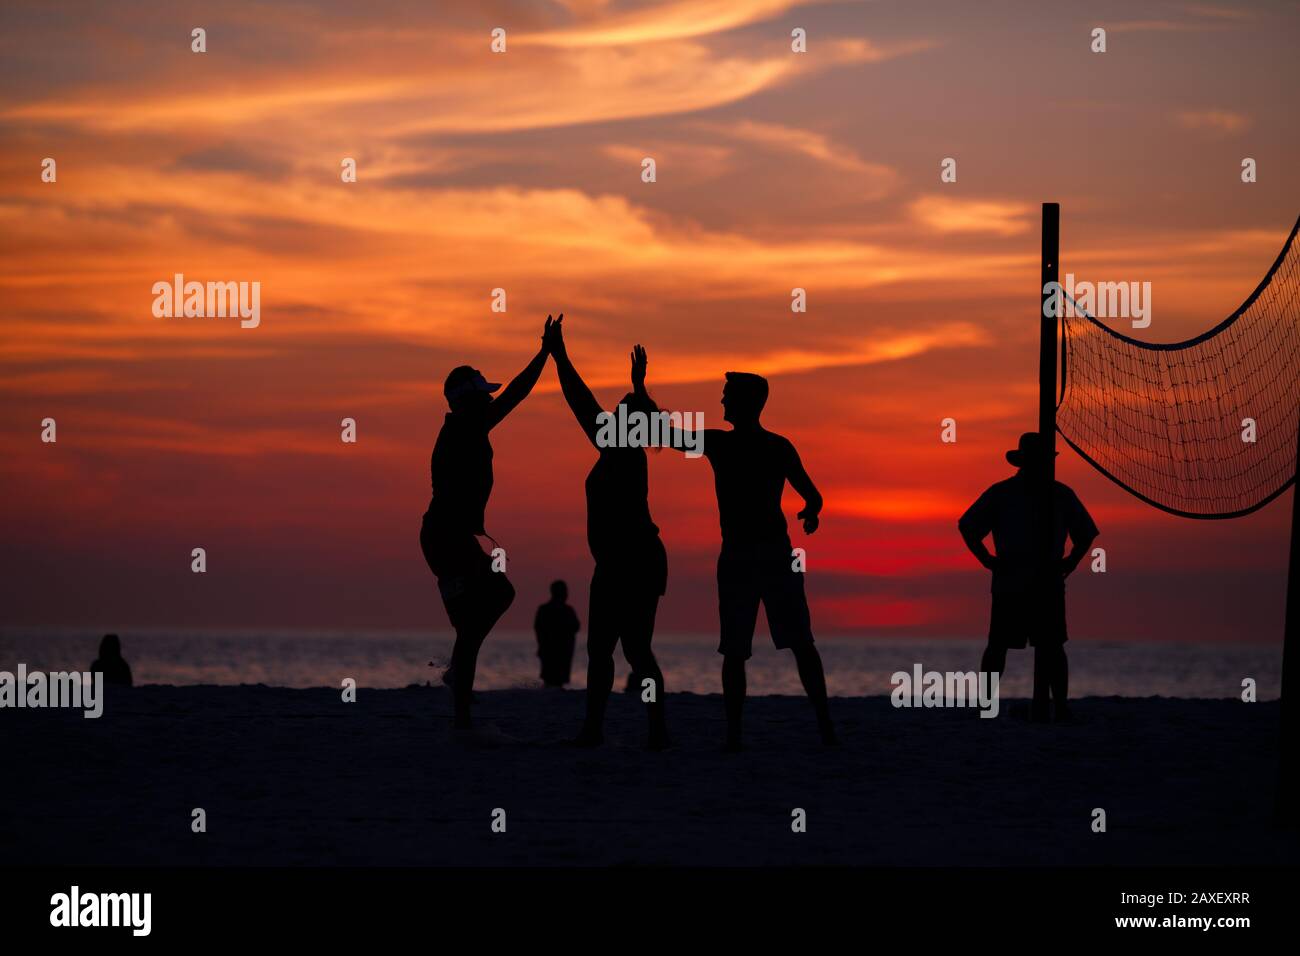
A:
x: 1028, y: 605
x: 556, y: 626
x: 111, y: 663
x: 461, y: 473
x: 750, y: 468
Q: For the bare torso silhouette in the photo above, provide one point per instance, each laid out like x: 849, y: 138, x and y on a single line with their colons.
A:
x: 750, y: 469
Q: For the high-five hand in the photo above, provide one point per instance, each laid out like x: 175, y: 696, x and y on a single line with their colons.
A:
x: 638, y: 367
x: 553, y: 334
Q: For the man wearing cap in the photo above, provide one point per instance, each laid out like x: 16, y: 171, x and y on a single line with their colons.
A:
x: 1028, y: 606
x: 461, y: 471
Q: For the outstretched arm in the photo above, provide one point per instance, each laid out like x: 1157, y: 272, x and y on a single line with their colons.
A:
x: 812, y: 499
x: 582, y: 403
x: 521, y: 384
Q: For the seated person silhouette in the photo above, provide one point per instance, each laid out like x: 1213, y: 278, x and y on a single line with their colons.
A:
x: 751, y: 466
x: 110, y: 662
x: 556, y: 626
x: 1028, y: 604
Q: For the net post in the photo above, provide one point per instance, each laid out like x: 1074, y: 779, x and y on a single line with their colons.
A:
x: 1048, y: 318
x: 1288, y: 737
x: 1051, y: 272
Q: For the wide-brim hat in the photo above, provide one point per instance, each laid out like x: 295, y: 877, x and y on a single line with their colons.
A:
x: 1031, y: 446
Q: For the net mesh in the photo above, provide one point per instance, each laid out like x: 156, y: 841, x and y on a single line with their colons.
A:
x: 1165, y: 421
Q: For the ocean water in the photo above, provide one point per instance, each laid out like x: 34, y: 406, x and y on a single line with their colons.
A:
x: 855, y: 666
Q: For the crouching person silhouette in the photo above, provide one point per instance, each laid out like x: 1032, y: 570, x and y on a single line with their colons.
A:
x: 460, y: 467
x: 751, y: 466
x: 1028, y: 606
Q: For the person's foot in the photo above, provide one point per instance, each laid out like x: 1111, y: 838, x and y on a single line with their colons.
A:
x: 659, y: 740
x: 588, y: 737
x: 828, y: 737
x: 1063, y: 714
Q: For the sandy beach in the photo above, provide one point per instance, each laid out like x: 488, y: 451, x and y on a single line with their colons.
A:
x: 298, y: 777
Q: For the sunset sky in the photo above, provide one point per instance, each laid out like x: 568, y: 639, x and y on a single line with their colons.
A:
x: 522, y: 171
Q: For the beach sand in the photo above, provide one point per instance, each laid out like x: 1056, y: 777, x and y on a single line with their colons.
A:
x: 299, y: 777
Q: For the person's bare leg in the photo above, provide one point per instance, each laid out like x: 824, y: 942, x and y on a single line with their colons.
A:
x: 813, y: 677
x: 644, y: 666
x: 1040, y: 707
x: 993, y: 660
x: 602, y: 637
x: 1060, y: 685
x: 638, y: 632
x: 485, y: 607
x: 464, y: 662
x: 600, y: 681
x: 733, y: 698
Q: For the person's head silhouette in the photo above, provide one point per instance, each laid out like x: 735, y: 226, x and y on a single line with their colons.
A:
x: 466, y: 388
x: 559, y: 592
x: 1030, y: 455
x: 638, y: 403
x: 743, y: 398
x: 110, y: 647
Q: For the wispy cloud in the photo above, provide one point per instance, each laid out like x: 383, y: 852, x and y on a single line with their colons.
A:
x: 810, y: 145
x: 1215, y: 121
x: 952, y: 215
x: 653, y: 23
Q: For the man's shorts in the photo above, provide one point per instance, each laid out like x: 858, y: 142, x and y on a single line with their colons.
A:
x: 1020, y: 618
x: 746, y: 579
x: 471, y: 591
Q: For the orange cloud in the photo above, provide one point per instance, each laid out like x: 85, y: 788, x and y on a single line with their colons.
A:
x: 666, y: 21
x: 944, y: 214
x: 1216, y: 121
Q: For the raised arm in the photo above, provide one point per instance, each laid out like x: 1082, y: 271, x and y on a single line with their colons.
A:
x: 582, y: 403
x: 639, y: 363
x: 682, y: 439
x: 521, y: 384
x: 812, y: 499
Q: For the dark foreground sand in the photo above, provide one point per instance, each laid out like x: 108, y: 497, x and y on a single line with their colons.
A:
x: 298, y: 777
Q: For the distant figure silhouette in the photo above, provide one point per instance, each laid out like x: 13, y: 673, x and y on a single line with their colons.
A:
x: 631, y: 572
x: 1026, y: 606
x: 461, y: 472
x: 556, y: 627
x: 110, y: 662
x: 750, y: 468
